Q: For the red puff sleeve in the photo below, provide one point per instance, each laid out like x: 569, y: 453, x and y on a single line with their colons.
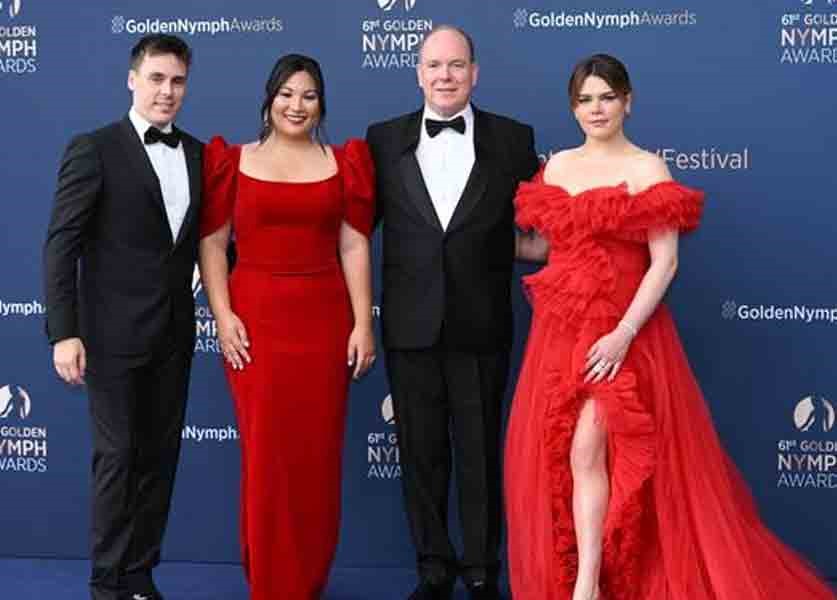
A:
x: 541, y: 207
x: 664, y: 205
x: 220, y: 167
x: 526, y: 203
x: 357, y: 172
x: 667, y: 204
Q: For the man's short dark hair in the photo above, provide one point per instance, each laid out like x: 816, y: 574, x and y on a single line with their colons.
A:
x: 160, y: 43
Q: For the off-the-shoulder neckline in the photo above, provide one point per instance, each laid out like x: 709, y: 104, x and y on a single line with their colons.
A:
x: 623, y: 187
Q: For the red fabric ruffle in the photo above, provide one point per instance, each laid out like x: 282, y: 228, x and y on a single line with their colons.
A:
x: 578, y: 283
x: 681, y: 524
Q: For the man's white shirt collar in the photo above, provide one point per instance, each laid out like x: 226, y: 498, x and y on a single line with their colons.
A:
x: 169, y: 165
x: 467, y: 113
x: 446, y: 162
x: 141, y: 125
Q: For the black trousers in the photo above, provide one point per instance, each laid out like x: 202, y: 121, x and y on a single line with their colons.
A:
x: 137, y: 408
x: 448, y: 409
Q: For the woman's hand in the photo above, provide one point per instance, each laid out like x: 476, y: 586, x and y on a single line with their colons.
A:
x: 531, y: 246
x: 232, y: 335
x: 607, y: 354
x: 361, y: 350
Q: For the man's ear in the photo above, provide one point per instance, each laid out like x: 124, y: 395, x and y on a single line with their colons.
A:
x: 131, y: 76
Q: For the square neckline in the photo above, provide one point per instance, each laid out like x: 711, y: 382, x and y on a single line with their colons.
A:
x: 286, y: 182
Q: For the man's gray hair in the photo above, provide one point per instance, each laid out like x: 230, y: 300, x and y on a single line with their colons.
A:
x: 455, y: 29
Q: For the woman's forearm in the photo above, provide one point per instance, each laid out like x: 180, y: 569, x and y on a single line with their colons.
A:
x: 655, y: 282
x: 355, y: 260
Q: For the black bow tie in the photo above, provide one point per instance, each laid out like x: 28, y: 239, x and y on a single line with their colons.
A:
x: 154, y: 135
x: 434, y: 126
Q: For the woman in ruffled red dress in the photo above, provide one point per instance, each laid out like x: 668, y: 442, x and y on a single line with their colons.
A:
x: 617, y: 485
x: 294, y: 321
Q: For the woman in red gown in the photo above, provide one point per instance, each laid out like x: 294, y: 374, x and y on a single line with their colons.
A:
x: 617, y: 485
x: 294, y: 313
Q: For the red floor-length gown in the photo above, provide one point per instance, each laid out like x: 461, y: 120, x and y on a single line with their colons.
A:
x: 681, y: 524
x: 289, y: 290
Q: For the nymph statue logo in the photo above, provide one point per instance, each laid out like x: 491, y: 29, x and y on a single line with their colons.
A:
x: 14, y: 402
x: 814, y: 414
x: 388, y: 5
x: 14, y: 7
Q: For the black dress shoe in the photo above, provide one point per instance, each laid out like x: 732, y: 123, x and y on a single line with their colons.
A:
x: 433, y: 591
x: 483, y: 590
x: 139, y: 586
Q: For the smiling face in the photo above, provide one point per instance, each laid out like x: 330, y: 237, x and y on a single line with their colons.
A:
x: 599, y: 110
x: 295, y: 110
x: 446, y: 73
x: 158, y: 85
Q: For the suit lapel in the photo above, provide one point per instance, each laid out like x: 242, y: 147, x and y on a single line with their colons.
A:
x: 478, y: 180
x: 411, y: 172
x: 417, y: 190
x: 141, y: 165
x: 193, y: 167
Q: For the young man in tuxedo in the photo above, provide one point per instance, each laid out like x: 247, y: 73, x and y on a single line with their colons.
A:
x: 119, y: 257
x: 446, y: 179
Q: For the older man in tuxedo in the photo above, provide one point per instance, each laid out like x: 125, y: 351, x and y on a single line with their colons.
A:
x: 446, y: 178
x: 119, y: 257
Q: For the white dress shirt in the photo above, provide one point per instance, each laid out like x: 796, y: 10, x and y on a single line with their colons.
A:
x: 446, y: 162
x: 170, y: 166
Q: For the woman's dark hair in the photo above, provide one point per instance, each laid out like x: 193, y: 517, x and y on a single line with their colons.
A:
x: 604, y: 66
x: 284, y: 69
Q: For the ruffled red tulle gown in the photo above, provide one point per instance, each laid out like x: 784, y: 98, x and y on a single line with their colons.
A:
x: 288, y: 289
x: 681, y: 524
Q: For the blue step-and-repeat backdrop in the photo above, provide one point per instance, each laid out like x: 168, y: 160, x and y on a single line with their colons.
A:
x: 737, y: 97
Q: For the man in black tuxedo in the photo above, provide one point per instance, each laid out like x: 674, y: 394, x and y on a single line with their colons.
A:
x: 446, y: 178
x: 119, y: 257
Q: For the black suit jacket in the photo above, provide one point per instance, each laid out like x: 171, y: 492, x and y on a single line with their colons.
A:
x: 449, y: 285
x: 131, y: 290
